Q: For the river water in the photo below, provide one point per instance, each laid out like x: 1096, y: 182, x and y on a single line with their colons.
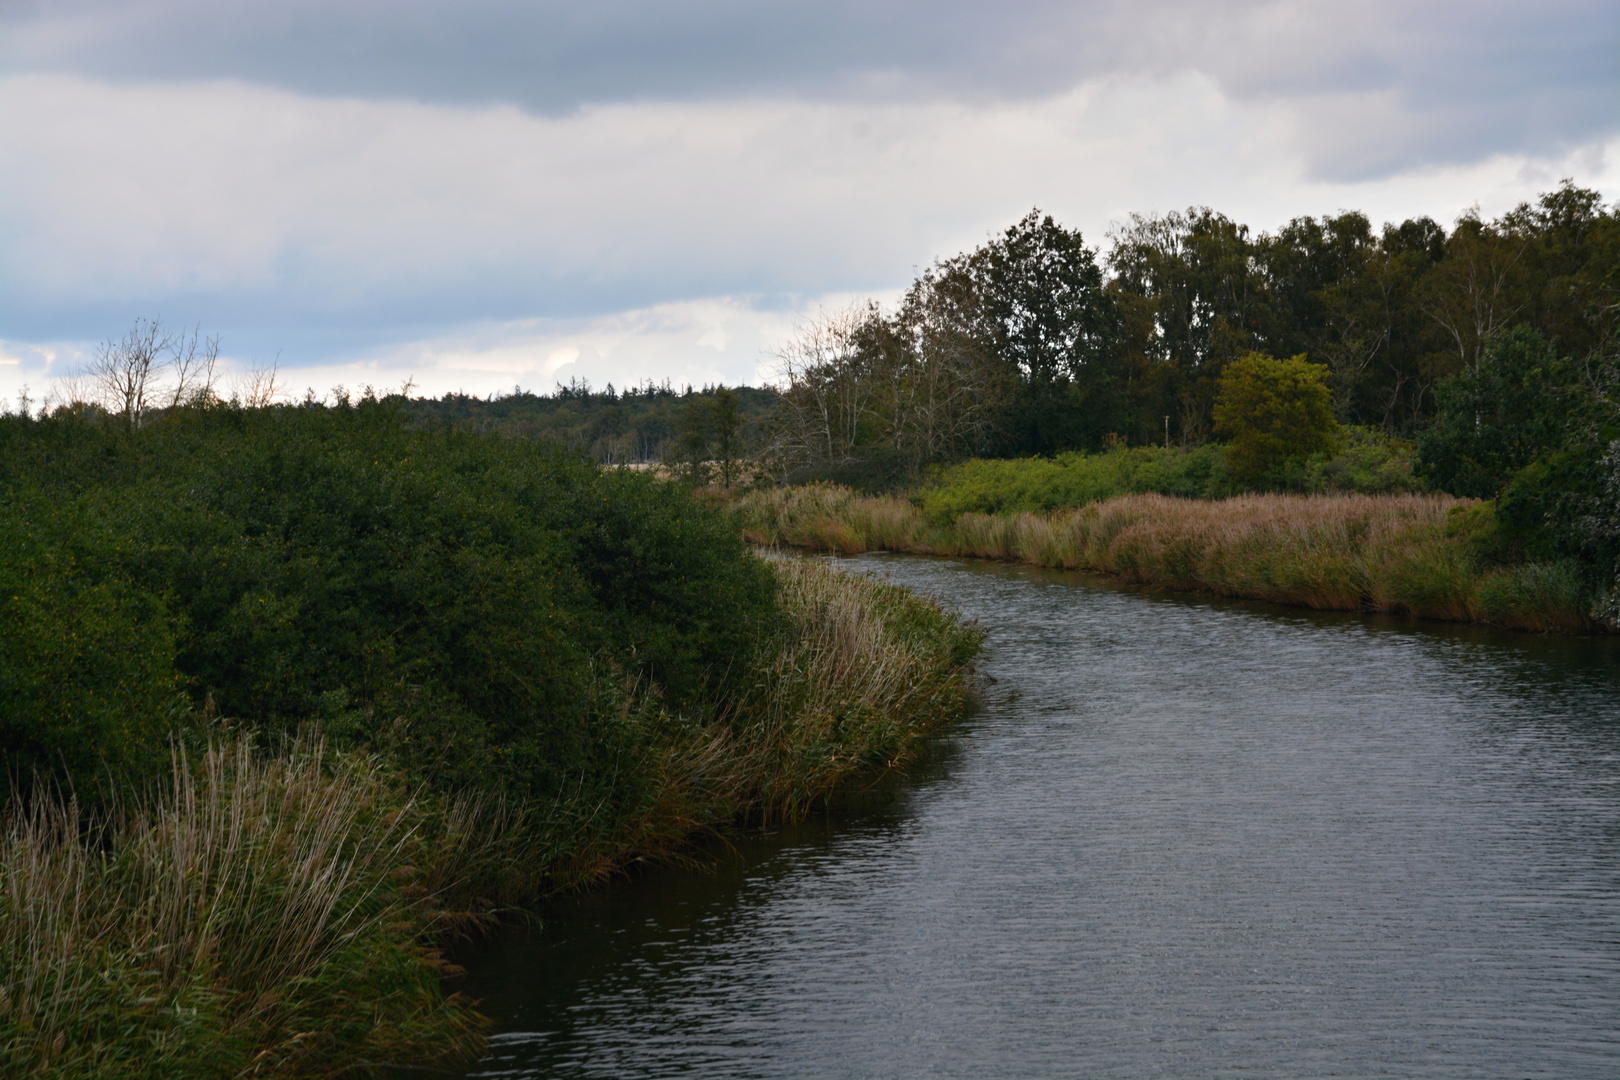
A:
x: 1182, y: 837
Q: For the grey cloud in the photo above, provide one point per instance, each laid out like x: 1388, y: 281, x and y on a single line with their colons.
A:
x: 1372, y: 90
x: 555, y: 57
x: 1467, y: 79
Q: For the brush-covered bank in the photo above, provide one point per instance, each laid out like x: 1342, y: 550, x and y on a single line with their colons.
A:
x: 1422, y: 555
x: 325, y: 687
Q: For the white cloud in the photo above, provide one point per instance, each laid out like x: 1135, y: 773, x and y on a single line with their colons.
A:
x: 473, y: 246
x: 728, y: 340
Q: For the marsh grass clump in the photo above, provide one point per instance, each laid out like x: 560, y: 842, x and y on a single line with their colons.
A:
x: 863, y: 671
x: 262, y: 915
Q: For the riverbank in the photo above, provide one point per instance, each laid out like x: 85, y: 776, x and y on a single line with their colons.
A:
x: 1410, y: 554
x: 290, y: 695
x: 275, y: 914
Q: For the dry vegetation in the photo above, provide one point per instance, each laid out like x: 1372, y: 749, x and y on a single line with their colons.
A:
x: 260, y: 917
x: 1404, y: 554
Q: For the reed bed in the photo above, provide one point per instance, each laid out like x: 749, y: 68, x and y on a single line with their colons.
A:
x: 865, y: 670
x: 1402, y: 553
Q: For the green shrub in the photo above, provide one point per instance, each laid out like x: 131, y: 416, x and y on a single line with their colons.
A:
x: 471, y: 604
x: 87, y: 676
x: 1365, y: 461
x: 1499, y: 416
x: 1275, y: 412
x: 1039, y: 485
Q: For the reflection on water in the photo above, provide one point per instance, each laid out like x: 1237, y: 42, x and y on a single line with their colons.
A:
x: 1198, y: 839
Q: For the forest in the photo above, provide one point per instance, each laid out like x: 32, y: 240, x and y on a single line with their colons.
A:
x: 653, y: 422
x: 1034, y: 344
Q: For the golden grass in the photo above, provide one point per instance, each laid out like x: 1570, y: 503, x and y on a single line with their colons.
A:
x: 1390, y: 553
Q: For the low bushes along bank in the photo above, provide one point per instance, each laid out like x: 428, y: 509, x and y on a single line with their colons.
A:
x: 1405, y: 554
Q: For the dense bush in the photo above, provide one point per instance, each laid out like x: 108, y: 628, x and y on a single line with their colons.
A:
x: 1275, y: 412
x: 991, y: 486
x: 1536, y: 432
x: 87, y: 672
x: 1365, y: 461
x: 475, y: 606
x: 1499, y: 416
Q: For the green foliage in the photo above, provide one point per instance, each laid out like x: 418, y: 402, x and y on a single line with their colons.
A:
x: 1037, y: 485
x: 87, y: 671
x: 1273, y: 410
x: 1195, y: 292
x: 725, y: 421
x: 1049, y: 319
x: 469, y: 603
x: 1365, y: 461
x: 1499, y: 416
x: 689, y: 452
x: 1537, y: 432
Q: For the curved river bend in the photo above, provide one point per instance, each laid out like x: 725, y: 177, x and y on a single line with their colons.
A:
x: 1182, y: 838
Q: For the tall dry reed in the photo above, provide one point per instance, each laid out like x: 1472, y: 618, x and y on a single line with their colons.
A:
x: 1391, y: 553
x: 865, y: 670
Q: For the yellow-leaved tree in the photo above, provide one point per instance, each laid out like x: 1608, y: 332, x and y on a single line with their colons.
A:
x: 1273, y: 410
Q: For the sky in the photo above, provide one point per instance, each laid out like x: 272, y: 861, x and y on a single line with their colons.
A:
x: 479, y: 195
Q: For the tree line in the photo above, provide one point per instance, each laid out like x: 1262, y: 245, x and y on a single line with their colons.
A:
x: 1035, y: 343
x: 650, y: 423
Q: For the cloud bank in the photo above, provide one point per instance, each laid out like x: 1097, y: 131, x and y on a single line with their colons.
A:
x: 478, y: 187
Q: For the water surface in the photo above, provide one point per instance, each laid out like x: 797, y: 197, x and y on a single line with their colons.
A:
x: 1181, y: 838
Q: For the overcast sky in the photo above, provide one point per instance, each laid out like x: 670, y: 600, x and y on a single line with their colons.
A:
x: 481, y: 194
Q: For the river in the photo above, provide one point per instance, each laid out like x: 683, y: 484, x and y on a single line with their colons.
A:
x: 1182, y: 837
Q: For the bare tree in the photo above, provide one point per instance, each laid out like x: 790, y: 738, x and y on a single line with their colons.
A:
x: 194, y: 372
x: 123, y: 373
x: 259, y: 388
x: 826, y: 389
x: 149, y: 368
x: 920, y: 386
